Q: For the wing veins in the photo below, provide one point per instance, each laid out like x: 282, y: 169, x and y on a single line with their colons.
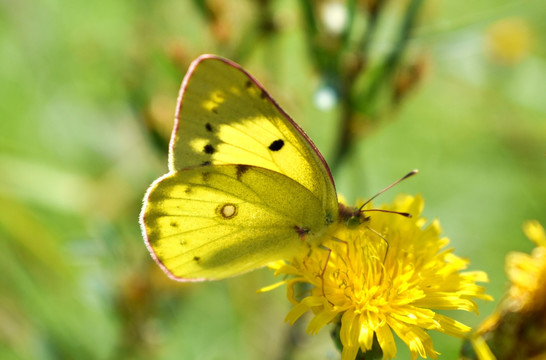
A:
x: 260, y: 204
x: 295, y: 146
x: 252, y: 137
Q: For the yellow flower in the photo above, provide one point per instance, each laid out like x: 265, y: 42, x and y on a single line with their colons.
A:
x: 527, y: 273
x: 517, y: 328
x: 509, y: 40
x: 386, y: 275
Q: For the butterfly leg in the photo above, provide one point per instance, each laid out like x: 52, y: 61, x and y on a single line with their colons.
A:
x: 324, y: 271
x: 382, y: 237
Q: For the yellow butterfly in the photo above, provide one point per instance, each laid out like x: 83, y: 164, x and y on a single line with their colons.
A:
x: 245, y: 186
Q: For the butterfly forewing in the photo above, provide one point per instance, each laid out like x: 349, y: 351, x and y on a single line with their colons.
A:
x: 225, y: 117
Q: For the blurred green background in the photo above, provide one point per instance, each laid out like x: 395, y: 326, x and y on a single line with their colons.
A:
x: 456, y: 89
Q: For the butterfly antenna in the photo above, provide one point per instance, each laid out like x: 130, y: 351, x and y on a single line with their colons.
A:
x: 405, y: 214
x: 408, y: 175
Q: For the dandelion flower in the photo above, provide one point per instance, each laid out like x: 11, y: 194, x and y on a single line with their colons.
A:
x: 527, y: 273
x: 517, y: 328
x: 382, y: 278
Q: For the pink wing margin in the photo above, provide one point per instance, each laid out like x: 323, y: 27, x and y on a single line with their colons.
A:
x: 147, y: 241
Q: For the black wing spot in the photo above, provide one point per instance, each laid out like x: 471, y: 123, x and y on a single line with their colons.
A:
x: 214, y: 109
x: 196, y: 258
x: 208, y: 126
x: 227, y: 211
x: 248, y: 84
x: 173, y: 224
x: 263, y: 94
x: 205, y: 176
x: 188, y: 190
x: 206, y: 163
x: 209, y: 149
x: 276, y: 145
x: 241, y: 169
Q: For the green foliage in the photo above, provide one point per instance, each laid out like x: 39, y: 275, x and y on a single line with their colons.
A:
x: 88, y: 96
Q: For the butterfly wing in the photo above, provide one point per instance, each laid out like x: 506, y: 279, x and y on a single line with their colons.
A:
x: 213, y: 222
x: 224, y: 116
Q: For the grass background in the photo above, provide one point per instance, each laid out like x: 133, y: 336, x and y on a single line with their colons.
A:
x: 88, y: 95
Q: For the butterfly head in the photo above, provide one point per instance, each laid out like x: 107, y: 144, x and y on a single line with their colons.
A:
x: 351, y: 216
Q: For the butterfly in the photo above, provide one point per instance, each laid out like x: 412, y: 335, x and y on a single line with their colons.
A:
x: 246, y: 186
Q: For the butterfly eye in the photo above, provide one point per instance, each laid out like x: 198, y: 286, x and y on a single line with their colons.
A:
x: 355, y: 220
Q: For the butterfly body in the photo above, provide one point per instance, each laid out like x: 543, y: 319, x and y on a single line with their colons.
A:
x: 245, y: 186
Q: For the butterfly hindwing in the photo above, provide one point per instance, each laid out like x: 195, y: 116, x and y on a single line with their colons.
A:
x: 212, y: 222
